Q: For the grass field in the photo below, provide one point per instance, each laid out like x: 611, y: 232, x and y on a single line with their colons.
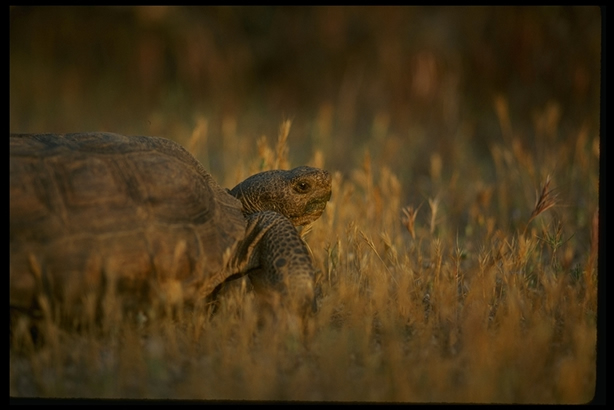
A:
x: 451, y: 269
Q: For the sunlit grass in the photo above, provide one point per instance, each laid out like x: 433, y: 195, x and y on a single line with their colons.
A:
x: 491, y: 301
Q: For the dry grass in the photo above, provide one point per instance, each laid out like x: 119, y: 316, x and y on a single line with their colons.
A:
x: 413, y: 307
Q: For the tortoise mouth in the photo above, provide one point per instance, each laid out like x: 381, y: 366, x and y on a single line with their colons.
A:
x: 315, y: 208
x: 312, y: 211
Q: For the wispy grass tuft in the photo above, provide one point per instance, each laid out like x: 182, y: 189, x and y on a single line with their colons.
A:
x: 545, y: 200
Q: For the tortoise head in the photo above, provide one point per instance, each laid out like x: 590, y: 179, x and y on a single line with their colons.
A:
x: 299, y: 194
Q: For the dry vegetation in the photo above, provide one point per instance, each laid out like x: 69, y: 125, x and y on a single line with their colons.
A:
x: 410, y: 308
x: 458, y: 253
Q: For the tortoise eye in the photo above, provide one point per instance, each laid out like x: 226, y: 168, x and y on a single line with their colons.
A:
x: 302, y: 187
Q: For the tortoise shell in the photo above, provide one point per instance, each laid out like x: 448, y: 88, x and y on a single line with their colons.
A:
x: 89, y: 209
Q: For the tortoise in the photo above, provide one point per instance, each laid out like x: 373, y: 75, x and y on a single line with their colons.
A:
x: 100, y: 212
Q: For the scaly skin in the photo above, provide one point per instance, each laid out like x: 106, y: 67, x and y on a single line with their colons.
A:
x: 299, y: 194
x: 277, y: 261
x: 274, y: 201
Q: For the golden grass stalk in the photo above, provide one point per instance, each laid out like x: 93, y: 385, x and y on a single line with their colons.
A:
x: 198, y: 139
x: 434, y: 205
x: 409, y: 219
x: 265, y: 154
x: 281, y: 149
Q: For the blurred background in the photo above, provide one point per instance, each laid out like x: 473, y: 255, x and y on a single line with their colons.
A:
x: 401, y: 83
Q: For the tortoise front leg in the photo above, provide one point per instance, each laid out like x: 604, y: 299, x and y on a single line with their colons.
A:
x: 278, y: 262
